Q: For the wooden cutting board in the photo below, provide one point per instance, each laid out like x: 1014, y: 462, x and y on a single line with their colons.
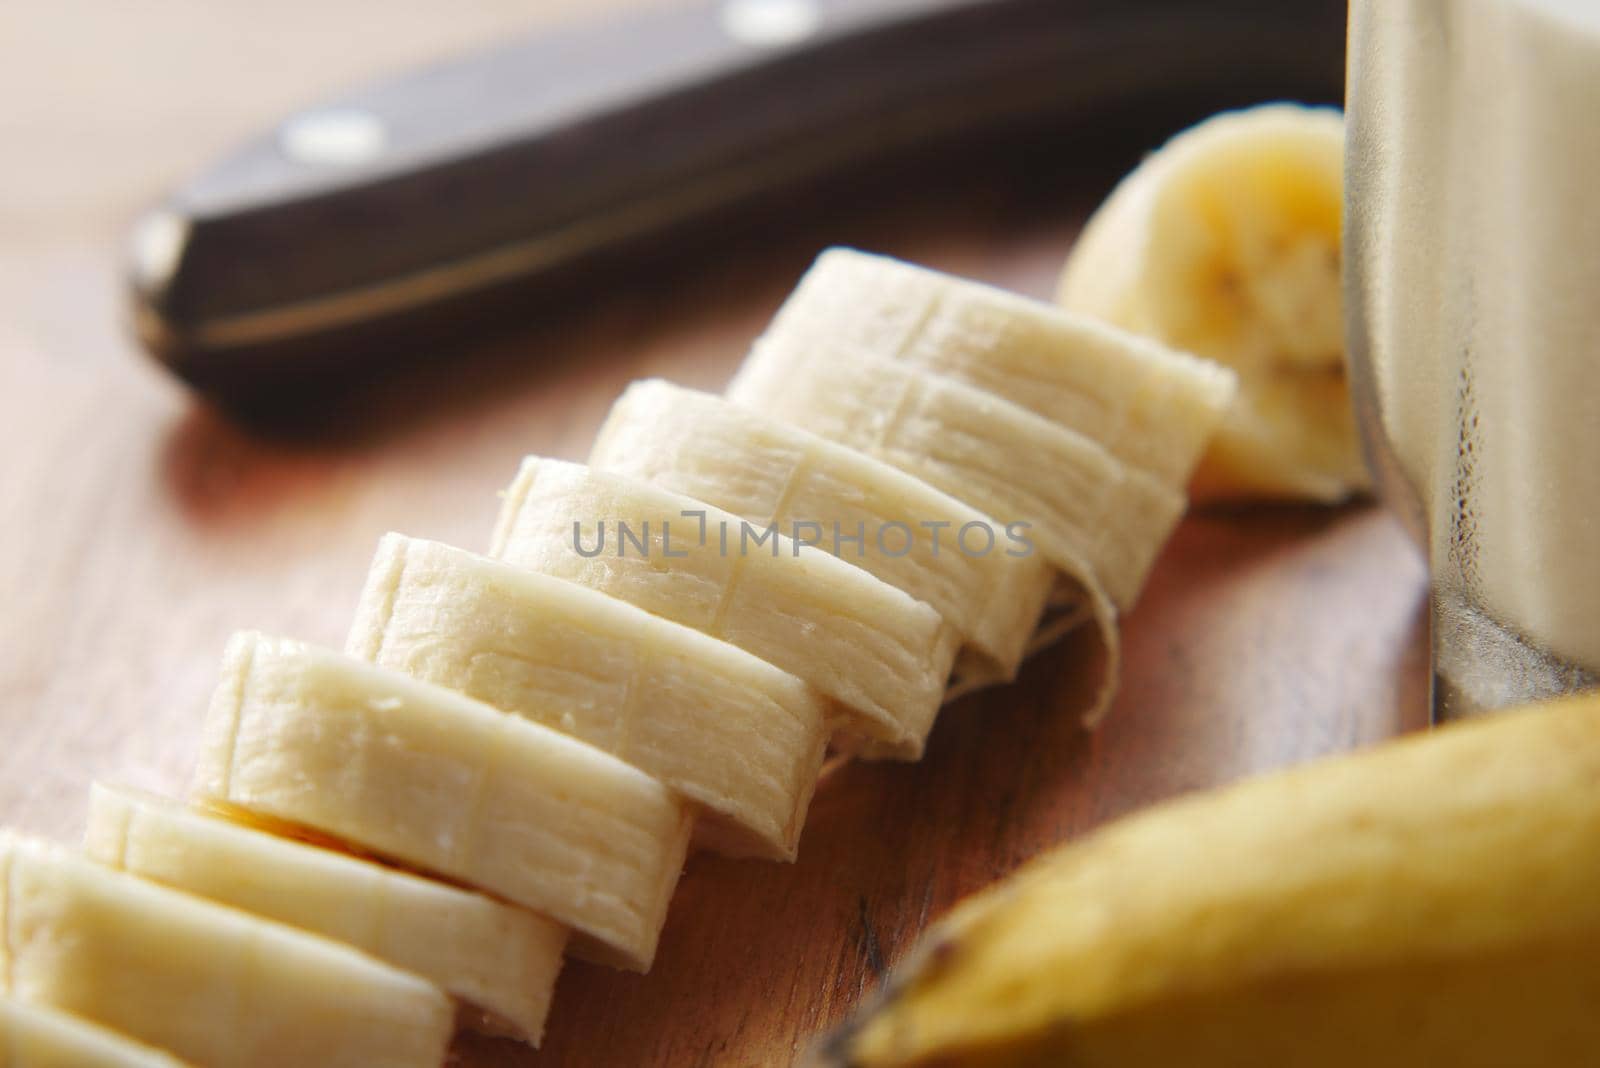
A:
x: 141, y: 527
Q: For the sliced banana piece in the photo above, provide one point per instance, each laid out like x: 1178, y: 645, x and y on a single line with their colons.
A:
x: 491, y: 956
x: 1147, y: 405
x: 774, y: 473
x: 424, y: 776
x: 881, y: 655
x: 211, y: 984
x: 742, y: 739
x: 1097, y: 519
x: 32, y: 1036
x: 1226, y: 243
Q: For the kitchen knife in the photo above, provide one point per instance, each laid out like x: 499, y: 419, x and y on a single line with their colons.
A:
x: 324, y: 239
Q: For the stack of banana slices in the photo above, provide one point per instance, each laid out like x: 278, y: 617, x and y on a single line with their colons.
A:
x: 913, y: 482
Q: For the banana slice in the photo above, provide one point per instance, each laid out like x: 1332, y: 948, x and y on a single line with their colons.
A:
x: 732, y: 733
x: 1226, y: 243
x: 35, y: 1037
x: 1145, y: 404
x: 880, y: 654
x: 446, y: 784
x: 1094, y: 517
x: 771, y: 473
x: 1435, y: 901
x: 211, y: 984
x: 495, y: 958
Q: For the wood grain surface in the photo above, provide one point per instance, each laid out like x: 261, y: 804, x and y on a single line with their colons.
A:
x: 141, y: 527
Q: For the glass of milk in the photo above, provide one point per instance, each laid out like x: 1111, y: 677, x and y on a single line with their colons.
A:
x: 1472, y: 245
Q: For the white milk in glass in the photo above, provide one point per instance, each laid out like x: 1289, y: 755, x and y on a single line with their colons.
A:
x: 1473, y: 274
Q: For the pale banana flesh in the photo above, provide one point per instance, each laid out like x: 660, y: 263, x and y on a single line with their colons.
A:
x: 1432, y: 901
x: 737, y: 736
x: 774, y: 473
x: 1226, y: 243
x: 1147, y: 405
x: 1059, y: 488
x: 490, y: 956
x: 453, y: 787
x: 32, y: 1036
x: 425, y: 806
x: 213, y: 985
x: 883, y: 656
x: 1097, y: 519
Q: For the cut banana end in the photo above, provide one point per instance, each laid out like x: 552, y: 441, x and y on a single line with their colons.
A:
x: 32, y: 1036
x: 448, y: 785
x: 773, y: 473
x: 492, y: 957
x: 1435, y: 901
x: 1092, y: 516
x: 211, y: 984
x: 740, y: 738
x: 881, y: 655
x: 1149, y: 406
x: 1226, y: 243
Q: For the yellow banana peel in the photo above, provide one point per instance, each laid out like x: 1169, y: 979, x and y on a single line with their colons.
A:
x: 1433, y: 901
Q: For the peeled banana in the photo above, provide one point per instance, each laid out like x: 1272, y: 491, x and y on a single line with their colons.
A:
x: 1226, y: 243
x: 1099, y: 520
x: 35, y: 1037
x: 213, y: 985
x: 433, y: 779
x: 737, y: 736
x: 1435, y: 901
x: 512, y: 757
x: 492, y: 957
x: 883, y: 656
x: 1145, y: 404
x: 773, y: 473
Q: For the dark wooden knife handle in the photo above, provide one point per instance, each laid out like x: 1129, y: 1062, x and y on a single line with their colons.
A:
x: 413, y: 195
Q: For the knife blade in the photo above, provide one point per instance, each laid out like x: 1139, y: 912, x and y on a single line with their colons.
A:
x: 409, y: 199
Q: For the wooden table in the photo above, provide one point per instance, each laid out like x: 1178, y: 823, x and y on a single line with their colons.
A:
x: 141, y: 527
